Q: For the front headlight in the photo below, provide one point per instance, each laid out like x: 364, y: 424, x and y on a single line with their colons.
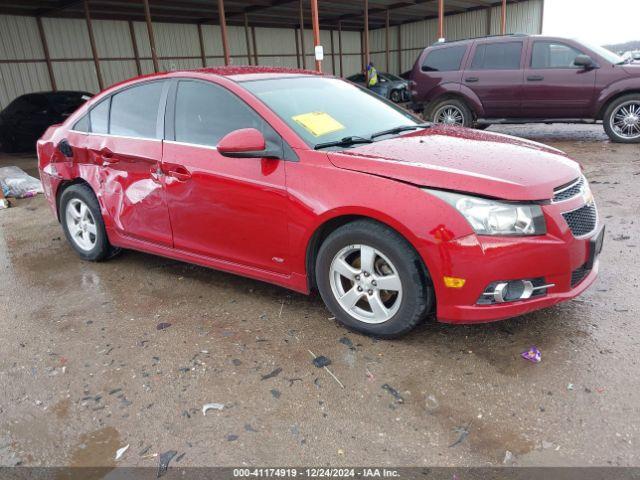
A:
x: 493, y: 217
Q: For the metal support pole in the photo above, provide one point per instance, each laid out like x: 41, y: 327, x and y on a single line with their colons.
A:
x: 316, y: 30
x: 333, y: 57
x: 386, y: 39
x: 92, y: 41
x: 367, y: 58
x: 304, y: 58
x: 399, y: 48
x: 340, y: 47
x: 503, y: 29
x: 255, y: 45
x: 295, y: 31
x: 47, y: 57
x: 246, y: 37
x: 440, y: 19
x: 134, y: 45
x: 152, y: 40
x: 223, y: 32
x: 203, y: 57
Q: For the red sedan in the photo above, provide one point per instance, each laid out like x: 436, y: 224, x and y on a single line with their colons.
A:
x: 310, y: 182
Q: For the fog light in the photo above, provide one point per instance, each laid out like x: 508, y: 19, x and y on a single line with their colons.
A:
x: 513, y: 290
x: 454, y: 282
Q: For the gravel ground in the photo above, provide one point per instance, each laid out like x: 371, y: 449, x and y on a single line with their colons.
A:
x: 99, y: 356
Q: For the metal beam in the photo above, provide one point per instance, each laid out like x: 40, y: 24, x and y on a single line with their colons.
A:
x: 47, y: 57
x: 255, y: 45
x: 295, y: 31
x: 440, y: 19
x: 203, y: 57
x: 304, y: 58
x: 340, y: 48
x: 246, y: 38
x: 316, y: 30
x: 134, y: 45
x: 92, y: 41
x: 223, y: 32
x: 367, y: 55
x: 152, y: 40
x: 386, y: 39
x: 333, y: 57
x: 503, y: 28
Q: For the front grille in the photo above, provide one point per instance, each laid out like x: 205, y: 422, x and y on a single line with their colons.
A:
x: 583, y: 220
x: 569, y: 190
x: 578, y: 275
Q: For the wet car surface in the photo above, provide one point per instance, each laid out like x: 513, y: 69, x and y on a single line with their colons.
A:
x: 90, y: 365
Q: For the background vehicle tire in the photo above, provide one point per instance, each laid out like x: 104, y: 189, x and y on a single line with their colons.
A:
x: 395, y: 96
x: 451, y: 111
x: 622, y: 119
x: 372, y: 280
x: 83, y: 225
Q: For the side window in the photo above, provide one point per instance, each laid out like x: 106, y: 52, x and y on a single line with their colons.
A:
x: 99, y: 117
x: 357, y: 78
x: 497, y: 56
x: 82, y: 125
x: 205, y: 113
x: 444, y: 59
x: 134, y: 111
x: 553, y: 55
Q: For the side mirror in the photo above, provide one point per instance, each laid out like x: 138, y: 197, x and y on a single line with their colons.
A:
x: 584, y: 61
x: 245, y: 143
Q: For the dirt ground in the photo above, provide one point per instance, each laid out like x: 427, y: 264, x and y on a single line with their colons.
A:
x: 86, y: 366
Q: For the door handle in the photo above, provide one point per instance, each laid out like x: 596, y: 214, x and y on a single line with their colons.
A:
x: 535, y: 78
x: 179, y: 172
x: 107, y: 156
x: 471, y: 79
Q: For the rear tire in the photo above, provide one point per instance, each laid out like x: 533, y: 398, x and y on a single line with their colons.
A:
x: 354, y: 265
x: 622, y: 119
x: 83, y: 224
x: 395, y: 96
x: 452, y: 112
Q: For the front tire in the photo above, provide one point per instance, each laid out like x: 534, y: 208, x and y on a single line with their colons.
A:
x: 622, y: 119
x: 452, y: 112
x: 372, y: 280
x: 83, y: 224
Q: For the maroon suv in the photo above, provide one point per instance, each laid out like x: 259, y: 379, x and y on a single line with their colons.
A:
x: 527, y: 79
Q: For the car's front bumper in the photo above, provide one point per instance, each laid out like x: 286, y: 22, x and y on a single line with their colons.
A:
x: 561, y: 259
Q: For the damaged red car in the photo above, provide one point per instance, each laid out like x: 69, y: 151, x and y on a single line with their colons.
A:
x: 312, y: 183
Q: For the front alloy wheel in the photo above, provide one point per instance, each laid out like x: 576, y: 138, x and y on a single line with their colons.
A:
x: 366, y: 284
x: 373, y: 280
x: 622, y: 119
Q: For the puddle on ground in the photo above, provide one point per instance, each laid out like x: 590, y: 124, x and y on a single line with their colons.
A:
x: 96, y: 449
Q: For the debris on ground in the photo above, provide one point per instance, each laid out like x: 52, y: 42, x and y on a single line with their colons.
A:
x: 180, y: 457
x: 120, y: 452
x: 570, y: 386
x: 231, y: 437
x: 463, y: 433
x: 165, y: 459
x: 4, y: 203
x: 162, y: 326
x: 533, y: 355
x: 144, y: 451
x: 370, y: 376
x: 271, y: 374
x: 249, y: 428
x: 393, y: 392
x: 321, y: 361
x: 431, y: 403
x: 322, y: 364
x: 211, y: 406
x: 346, y: 341
x: 17, y: 183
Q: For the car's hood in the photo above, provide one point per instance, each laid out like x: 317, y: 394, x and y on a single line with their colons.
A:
x: 465, y: 160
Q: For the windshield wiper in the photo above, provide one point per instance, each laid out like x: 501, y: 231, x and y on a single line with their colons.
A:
x: 403, y: 128
x: 343, y: 142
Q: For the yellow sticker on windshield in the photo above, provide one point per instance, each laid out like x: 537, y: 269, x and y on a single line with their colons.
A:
x: 318, y: 123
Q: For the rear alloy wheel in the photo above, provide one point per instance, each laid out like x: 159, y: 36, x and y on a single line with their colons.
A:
x: 622, y: 119
x: 83, y: 225
x: 372, y: 280
x: 451, y: 112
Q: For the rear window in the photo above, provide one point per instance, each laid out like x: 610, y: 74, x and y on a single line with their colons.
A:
x: 446, y: 59
x: 134, y: 111
x: 497, y: 56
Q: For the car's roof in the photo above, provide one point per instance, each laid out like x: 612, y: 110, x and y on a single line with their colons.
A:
x: 243, y: 73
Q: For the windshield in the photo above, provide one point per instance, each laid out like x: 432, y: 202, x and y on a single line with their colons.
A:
x: 608, y: 55
x: 324, y: 109
x: 393, y: 78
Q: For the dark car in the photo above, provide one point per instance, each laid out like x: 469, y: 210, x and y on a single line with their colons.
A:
x: 28, y: 116
x: 527, y: 79
x: 389, y: 86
